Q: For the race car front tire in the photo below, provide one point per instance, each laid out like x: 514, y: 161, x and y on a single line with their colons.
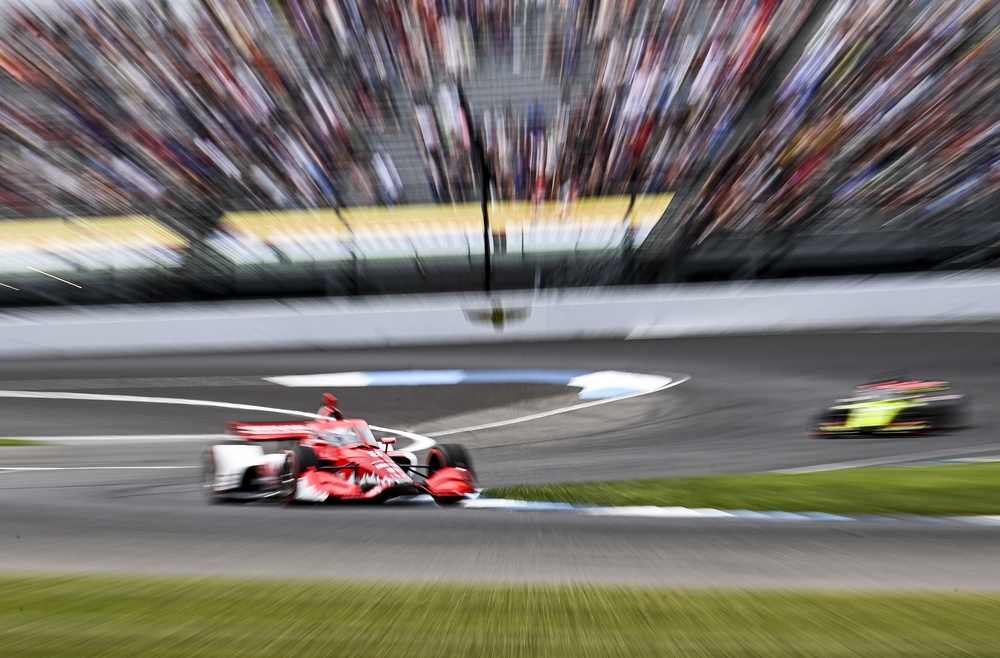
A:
x: 950, y: 415
x: 448, y: 454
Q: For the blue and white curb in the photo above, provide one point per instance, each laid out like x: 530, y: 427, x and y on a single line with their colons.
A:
x: 598, y: 385
x: 948, y: 462
x: 654, y: 512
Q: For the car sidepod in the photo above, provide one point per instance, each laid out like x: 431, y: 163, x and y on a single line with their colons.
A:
x: 875, y: 416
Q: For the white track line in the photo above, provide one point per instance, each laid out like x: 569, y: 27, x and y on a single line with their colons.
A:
x: 839, y: 466
x: 554, y: 412
x: 58, y: 395
x: 129, y: 438
x: 10, y: 469
x: 420, y: 442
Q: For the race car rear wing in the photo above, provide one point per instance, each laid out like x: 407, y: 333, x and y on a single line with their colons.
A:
x: 270, y: 431
x: 900, y: 380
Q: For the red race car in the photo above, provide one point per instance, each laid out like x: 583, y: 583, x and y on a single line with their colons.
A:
x: 331, y: 458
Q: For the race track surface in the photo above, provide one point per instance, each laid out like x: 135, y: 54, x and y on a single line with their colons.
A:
x: 745, y: 409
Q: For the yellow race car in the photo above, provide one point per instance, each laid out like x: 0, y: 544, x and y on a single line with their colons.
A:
x: 894, y: 406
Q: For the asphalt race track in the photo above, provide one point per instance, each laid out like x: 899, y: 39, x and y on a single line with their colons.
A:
x: 98, y: 506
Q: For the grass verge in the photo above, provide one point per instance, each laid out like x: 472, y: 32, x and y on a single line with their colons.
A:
x: 938, y: 490
x: 20, y: 442
x: 115, y: 616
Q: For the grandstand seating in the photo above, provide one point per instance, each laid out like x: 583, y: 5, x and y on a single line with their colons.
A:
x: 446, y: 231
x: 88, y: 244
x: 286, y: 114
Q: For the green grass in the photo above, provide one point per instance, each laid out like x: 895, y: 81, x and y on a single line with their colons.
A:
x: 84, y: 616
x: 20, y: 442
x: 938, y: 490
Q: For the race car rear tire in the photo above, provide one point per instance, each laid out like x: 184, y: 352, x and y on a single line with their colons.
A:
x: 208, y: 476
x: 306, y: 458
x: 448, y: 454
x: 289, y: 477
x: 814, y: 431
x: 828, y: 416
x: 208, y: 473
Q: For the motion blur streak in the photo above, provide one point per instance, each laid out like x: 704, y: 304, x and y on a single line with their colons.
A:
x: 197, y: 136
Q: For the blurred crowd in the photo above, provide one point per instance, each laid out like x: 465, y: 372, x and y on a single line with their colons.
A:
x: 445, y: 140
x: 891, y: 114
x: 667, y: 82
x: 109, y: 106
x: 114, y: 106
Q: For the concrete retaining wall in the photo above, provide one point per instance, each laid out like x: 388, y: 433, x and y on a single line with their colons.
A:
x: 517, y: 316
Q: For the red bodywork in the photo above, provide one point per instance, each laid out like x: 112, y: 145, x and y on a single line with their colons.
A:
x: 349, y: 464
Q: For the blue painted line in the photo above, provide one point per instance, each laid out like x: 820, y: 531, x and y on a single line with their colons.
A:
x: 748, y: 514
x: 823, y: 516
x: 552, y: 507
x: 787, y: 516
x: 451, y: 377
x: 415, y: 377
x: 600, y: 385
x: 555, y: 377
